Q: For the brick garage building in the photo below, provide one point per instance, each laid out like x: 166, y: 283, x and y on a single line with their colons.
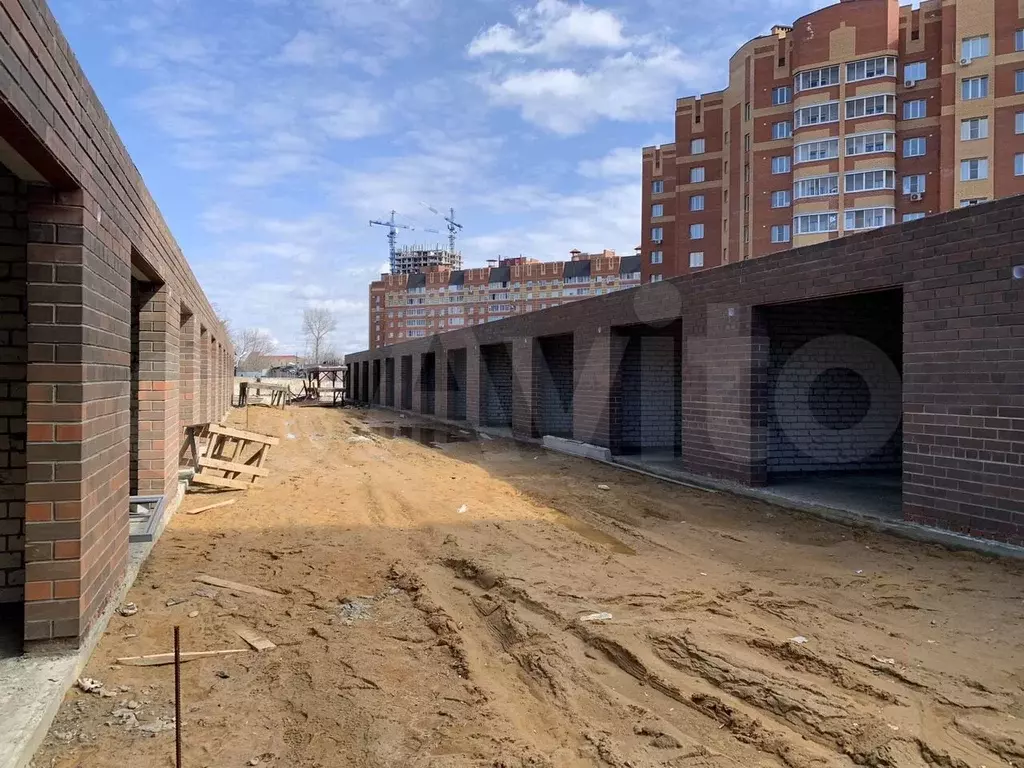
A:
x: 898, y: 350
x: 107, y: 344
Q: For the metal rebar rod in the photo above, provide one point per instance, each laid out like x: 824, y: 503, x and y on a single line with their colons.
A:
x: 177, y: 697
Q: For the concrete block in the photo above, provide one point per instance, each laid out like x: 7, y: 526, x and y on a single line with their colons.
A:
x: 576, y: 448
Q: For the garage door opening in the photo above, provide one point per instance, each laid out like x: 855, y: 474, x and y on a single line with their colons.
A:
x: 646, y: 402
x: 428, y: 374
x: 554, y: 386
x: 834, y: 401
x: 496, y: 385
x: 375, y: 383
x: 457, y: 384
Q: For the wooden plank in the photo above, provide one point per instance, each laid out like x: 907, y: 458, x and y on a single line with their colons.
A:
x: 240, y: 434
x: 221, y: 482
x: 161, y: 659
x: 256, y: 640
x: 208, y: 507
x: 232, y: 466
x: 213, y: 581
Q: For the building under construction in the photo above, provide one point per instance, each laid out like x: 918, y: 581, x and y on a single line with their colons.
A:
x: 415, y: 259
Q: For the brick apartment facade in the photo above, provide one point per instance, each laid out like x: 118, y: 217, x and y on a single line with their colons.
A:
x: 897, y: 350
x: 108, y: 345
x: 859, y: 115
x: 408, y: 306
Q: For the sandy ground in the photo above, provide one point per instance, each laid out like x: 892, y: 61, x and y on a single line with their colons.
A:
x: 414, y: 632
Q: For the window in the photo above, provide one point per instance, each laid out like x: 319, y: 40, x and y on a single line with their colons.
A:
x: 817, y: 114
x: 696, y: 202
x: 657, y: 234
x: 915, y: 71
x: 1018, y: 40
x: 746, y: 233
x: 813, y: 151
x: 696, y: 259
x: 782, y: 130
x: 863, y: 181
x: 913, y: 185
x: 974, y: 169
x: 696, y: 231
x: 1018, y: 81
x: 657, y: 210
x: 914, y: 147
x: 974, y: 47
x: 913, y: 216
x: 746, y: 173
x: 781, y: 199
x: 883, y: 66
x: 746, y: 112
x: 972, y: 201
x: 746, y: 142
x: 869, y: 143
x: 783, y: 95
x: 656, y: 257
x: 1018, y: 122
x: 656, y: 278
x: 1018, y: 165
x: 657, y: 187
x: 780, y: 233
x: 974, y: 128
x: 811, y: 223
x: 746, y: 203
x: 868, y: 218
x: 818, y: 186
x: 697, y: 147
x: 697, y: 174
x: 974, y: 88
x: 780, y: 164
x: 870, y: 105
x: 817, y: 78
x: 914, y: 109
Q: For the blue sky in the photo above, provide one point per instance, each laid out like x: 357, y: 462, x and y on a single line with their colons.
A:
x: 271, y: 131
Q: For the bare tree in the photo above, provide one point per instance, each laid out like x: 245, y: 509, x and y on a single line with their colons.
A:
x: 252, y: 347
x: 317, y: 326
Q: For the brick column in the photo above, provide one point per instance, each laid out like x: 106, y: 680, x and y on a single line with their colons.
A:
x: 203, y: 354
x: 159, y: 430
x: 188, y: 369
x: 724, y: 393
x: 524, y: 393
x: 592, y: 385
x: 417, y: 398
x: 473, y: 384
x: 78, y: 392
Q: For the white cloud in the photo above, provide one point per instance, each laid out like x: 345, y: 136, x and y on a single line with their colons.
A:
x: 553, y: 28
x: 308, y: 48
x: 626, y: 87
x: 623, y: 161
x: 346, y: 117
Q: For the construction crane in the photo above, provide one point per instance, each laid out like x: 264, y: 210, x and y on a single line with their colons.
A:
x: 393, y: 228
x: 453, y: 226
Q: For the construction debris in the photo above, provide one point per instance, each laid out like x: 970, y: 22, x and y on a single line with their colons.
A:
x: 202, y: 578
x: 224, y: 464
x: 256, y: 640
x: 162, y: 659
x: 208, y: 507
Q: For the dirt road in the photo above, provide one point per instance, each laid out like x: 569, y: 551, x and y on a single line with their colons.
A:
x: 433, y: 615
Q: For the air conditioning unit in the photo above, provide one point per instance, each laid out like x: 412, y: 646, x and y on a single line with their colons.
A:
x: 916, y: 197
x: 964, y: 61
x: 910, y: 83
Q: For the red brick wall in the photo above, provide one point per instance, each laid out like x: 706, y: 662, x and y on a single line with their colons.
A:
x: 84, y: 224
x: 962, y: 321
x: 13, y: 353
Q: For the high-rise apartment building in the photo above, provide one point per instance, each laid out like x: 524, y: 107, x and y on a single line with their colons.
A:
x: 416, y: 258
x: 406, y: 307
x: 860, y: 115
